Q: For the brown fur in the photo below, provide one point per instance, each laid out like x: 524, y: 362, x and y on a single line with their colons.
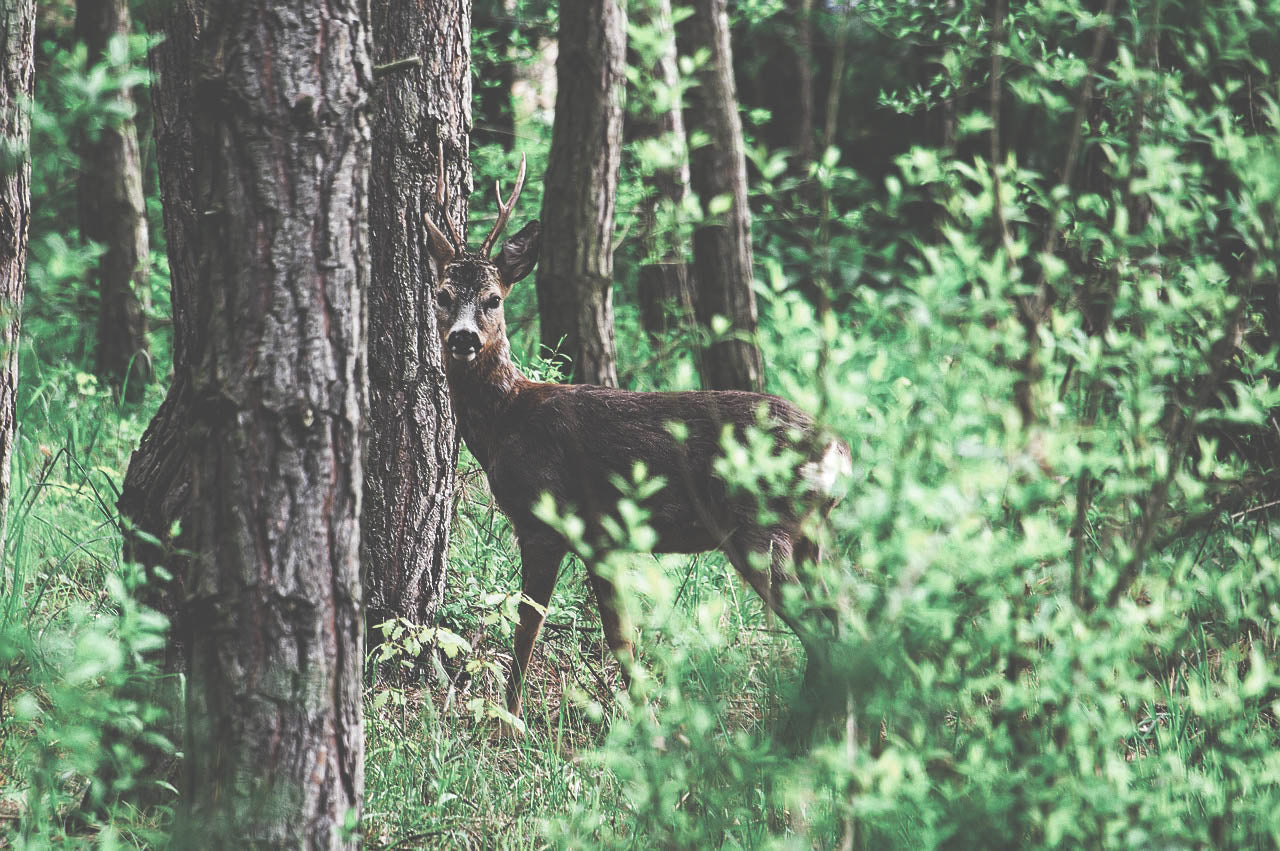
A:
x: 572, y: 440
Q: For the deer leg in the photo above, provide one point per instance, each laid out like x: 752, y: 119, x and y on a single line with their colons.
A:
x: 815, y: 692
x: 808, y: 553
x: 539, y: 565
x: 771, y: 585
x: 617, y: 629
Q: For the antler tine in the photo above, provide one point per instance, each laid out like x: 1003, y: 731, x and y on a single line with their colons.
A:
x: 504, y: 210
x: 442, y: 199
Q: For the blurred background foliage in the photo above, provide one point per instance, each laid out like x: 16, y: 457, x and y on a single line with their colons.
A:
x: 1024, y: 262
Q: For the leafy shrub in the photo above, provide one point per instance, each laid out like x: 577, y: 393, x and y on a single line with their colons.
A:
x: 1055, y: 572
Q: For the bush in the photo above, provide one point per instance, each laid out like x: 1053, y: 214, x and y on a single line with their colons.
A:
x: 1055, y: 573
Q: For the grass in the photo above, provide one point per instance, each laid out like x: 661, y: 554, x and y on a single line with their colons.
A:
x: 58, y: 615
x: 589, y: 769
x: 437, y: 771
x: 440, y: 773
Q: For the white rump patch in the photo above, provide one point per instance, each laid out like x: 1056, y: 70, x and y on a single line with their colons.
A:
x: 825, y: 474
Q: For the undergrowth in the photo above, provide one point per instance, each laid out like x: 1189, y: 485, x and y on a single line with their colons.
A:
x: 1055, y: 575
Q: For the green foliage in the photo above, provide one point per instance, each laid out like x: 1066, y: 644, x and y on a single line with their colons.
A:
x: 76, y: 101
x: 1054, y: 572
x: 79, y: 714
x: 77, y: 705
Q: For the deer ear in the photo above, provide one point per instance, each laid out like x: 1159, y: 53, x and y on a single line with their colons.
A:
x: 518, y: 254
x: 438, y: 244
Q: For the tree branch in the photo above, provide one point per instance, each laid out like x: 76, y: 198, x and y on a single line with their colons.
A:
x: 1184, y: 428
x: 386, y: 69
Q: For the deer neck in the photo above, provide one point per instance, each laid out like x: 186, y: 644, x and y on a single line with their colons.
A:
x: 482, y: 391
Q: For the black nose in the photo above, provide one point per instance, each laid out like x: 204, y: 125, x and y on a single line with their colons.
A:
x: 464, y: 342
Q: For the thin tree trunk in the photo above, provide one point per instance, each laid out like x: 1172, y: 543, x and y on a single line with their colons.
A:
x: 722, y: 243
x: 280, y: 145
x: 796, y: 112
x: 665, y: 288
x: 575, y: 272
x: 112, y: 213
x: 775, y: 58
x: 17, y: 37
x: 411, y: 446
x: 494, y: 99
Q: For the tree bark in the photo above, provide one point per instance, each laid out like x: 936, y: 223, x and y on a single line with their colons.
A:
x: 718, y: 169
x: 112, y: 213
x: 665, y: 289
x: 575, y: 272
x: 411, y: 446
x: 156, y: 492
x: 17, y: 36
x: 278, y: 248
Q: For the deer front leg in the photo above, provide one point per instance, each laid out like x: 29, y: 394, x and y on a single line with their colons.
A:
x: 539, y: 565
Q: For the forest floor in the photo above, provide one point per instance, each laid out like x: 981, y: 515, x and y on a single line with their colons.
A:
x: 439, y: 770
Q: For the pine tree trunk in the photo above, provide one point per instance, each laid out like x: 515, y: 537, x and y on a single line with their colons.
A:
x: 411, y: 446
x: 112, y: 213
x: 722, y: 244
x: 575, y: 271
x: 157, y: 485
x: 665, y: 289
x: 279, y: 255
x: 17, y: 37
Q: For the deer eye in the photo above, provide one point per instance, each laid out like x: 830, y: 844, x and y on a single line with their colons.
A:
x: 444, y: 299
x: 492, y: 302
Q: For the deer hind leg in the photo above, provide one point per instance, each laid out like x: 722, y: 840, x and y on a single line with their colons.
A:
x: 539, y: 565
x: 772, y: 584
x: 807, y: 551
x: 614, y: 621
x: 745, y: 552
x: 807, y: 556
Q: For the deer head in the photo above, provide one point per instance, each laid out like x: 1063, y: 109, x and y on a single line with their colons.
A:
x: 472, y: 285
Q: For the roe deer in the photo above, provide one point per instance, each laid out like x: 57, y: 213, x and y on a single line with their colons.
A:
x: 572, y: 440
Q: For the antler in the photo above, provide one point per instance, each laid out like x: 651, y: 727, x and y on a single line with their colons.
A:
x: 504, y: 210
x: 442, y: 203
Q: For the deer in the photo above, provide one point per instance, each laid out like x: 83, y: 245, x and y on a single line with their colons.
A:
x: 573, y: 441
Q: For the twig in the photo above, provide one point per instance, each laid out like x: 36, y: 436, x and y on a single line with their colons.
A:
x: 1184, y: 429
x: 1031, y: 307
x: 1077, y: 534
x: 1262, y: 507
x: 1073, y: 147
x: 606, y: 691
x: 380, y: 71
x: 1232, y: 499
x: 997, y: 36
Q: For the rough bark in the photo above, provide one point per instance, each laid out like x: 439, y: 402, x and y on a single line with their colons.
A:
x: 722, y: 243
x: 665, y: 288
x: 411, y: 445
x: 113, y: 214
x: 17, y: 37
x: 280, y: 146
x: 575, y: 272
x: 157, y: 485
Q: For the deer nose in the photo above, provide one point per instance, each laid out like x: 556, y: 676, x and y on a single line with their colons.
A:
x: 464, y: 345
